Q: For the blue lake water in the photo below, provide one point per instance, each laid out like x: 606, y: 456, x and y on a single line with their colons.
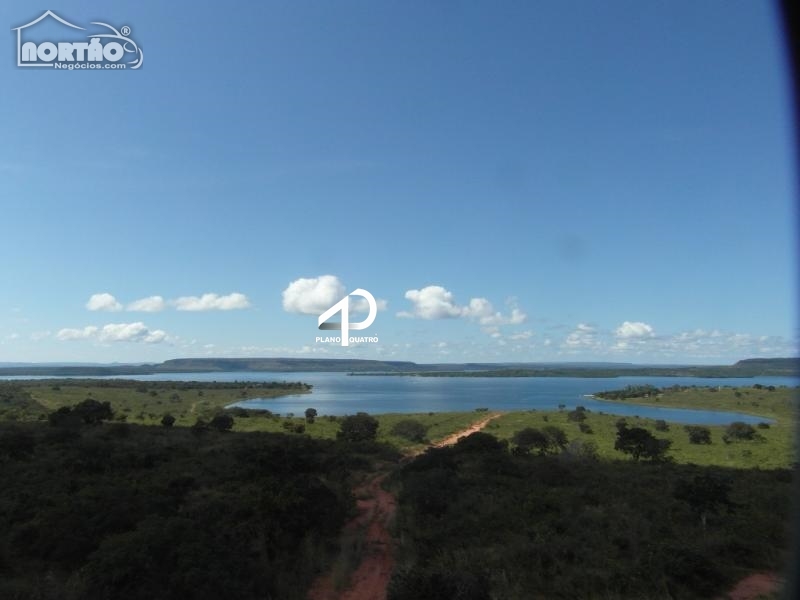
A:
x: 340, y: 394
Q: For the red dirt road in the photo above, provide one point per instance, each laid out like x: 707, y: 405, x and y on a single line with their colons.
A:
x: 757, y: 585
x: 376, y: 511
x: 474, y: 428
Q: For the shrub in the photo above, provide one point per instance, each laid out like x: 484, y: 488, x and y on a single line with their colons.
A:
x: 221, y: 422
x: 410, y: 429
x: 548, y: 440
x: 358, y: 428
x: 310, y: 413
x: 763, y: 425
x: 585, y: 428
x: 698, y: 434
x: 581, y: 450
x: 739, y: 430
x: 640, y: 443
x: 167, y: 420
x: 578, y: 414
x: 662, y: 425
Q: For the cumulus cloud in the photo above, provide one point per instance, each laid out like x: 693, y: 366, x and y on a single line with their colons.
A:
x: 435, y: 302
x: 234, y: 301
x: 315, y: 295
x: 104, y: 301
x: 115, y: 332
x: 432, y: 302
x: 149, y: 304
x: 634, y: 330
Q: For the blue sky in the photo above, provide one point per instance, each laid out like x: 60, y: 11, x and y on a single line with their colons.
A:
x: 513, y: 181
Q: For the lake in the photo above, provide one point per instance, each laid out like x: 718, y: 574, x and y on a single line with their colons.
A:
x: 340, y: 394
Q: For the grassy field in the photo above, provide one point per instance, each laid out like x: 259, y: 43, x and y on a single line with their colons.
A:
x: 777, y: 449
x: 147, y: 402
x: 438, y: 425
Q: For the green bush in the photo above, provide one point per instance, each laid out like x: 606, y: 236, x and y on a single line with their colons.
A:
x: 358, y: 428
x: 410, y: 429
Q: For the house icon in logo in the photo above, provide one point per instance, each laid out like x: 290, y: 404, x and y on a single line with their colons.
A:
x: 19, y: 29
x: 105, y: 49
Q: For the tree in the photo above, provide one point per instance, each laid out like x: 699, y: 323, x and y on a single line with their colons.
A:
x: 358, y: 428
x: 311, y: 413
x: 92, y: 412
x: 410, y: 429
x: 640, y: 443
x: 529, y: 439
x: 705, y: 494
x: 662, y: 425
x: 167, y: 420
x: 221, y: 422
x: 698, y: 434
x: 739, y: 430
x: 89, y: 411
x: 556, y: 437
x: 579, y: 414
x: 549, y: 440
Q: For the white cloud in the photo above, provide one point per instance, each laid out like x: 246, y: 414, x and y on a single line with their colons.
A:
x: 115, y: 332
x: 583, y: 337
x: 76, y: 334
x: 481, y: 310
x: 104, y: 301
x: 149, y: 304
x: 634, y: 329
x: 435, y: 302
x: 315, y: 295
x: 522, y: 335
x: 234, y: 301
x: 431, y: 302
x: 130, y: 332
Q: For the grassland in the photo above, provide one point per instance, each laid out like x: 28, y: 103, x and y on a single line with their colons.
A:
x: 147, y: 402
x: 777, y: 447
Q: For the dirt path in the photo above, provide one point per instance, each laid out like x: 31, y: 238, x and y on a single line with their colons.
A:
x: 757, y: 585
x: 376, y: 510
x: 475, y: 427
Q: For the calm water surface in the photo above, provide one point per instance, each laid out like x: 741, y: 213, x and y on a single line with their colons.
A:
x: 339, y: 393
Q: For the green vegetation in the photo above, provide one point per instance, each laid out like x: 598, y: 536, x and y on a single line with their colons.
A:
x: 478, y: 522
x: 358, y: 428
x: 128, y: 489
x: 142, y: 402
x: 769, y: 448
x: 767, y: 401
x: 112, y: 510
x: 410, y: 429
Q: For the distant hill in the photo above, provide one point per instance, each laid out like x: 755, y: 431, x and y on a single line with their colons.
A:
x: 744, y: 368
x: 776, y: 366
x: 205, y: 365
